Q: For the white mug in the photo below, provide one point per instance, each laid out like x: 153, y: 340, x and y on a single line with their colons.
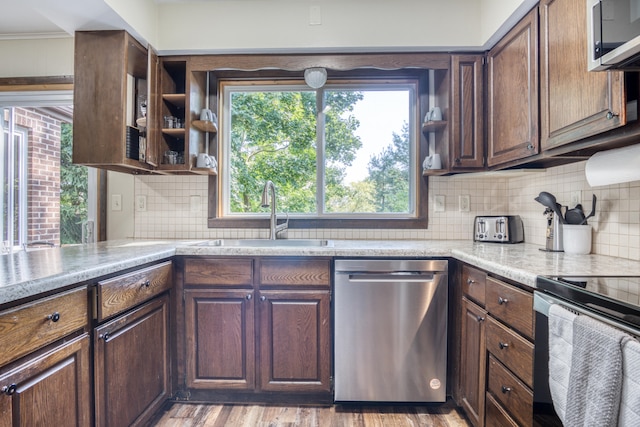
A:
x: 432, y: 162
x: 435, y: 114
x: 203, y: 161
x: 208, y: 116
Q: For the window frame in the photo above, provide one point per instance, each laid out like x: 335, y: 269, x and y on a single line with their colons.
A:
x: 347, y: 65
x: 230, y: 86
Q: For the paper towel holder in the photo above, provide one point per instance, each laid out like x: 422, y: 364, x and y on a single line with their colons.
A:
x: 615, y: 166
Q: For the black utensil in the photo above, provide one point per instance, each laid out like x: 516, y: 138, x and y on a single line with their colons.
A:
x: 575, y: 216
x: 593, y: 210
x: 549, y: 200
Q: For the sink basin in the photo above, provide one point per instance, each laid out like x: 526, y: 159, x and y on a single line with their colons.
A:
x: 267, y: 243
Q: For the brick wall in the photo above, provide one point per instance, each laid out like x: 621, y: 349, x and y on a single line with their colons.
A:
x: 43, y: 175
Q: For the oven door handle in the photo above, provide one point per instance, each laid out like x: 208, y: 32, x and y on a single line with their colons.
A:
x: 542, y: 302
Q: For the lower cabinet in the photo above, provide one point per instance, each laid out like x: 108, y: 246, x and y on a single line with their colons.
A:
x: 52, y: 388
x: 131, y: 365
x: 258, y: 325
x: 496, y: 351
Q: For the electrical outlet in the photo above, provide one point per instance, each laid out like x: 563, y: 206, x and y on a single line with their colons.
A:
x: 116, y: 202
x: 194, y: 204
x: 576, y: 197
x: 141, y: 203
x: 464, y: 203
x: 439, y: 201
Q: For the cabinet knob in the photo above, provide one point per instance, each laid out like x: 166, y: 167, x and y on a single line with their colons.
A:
x: 530, y: 147
x: 249, y: 297
x: 611, y: 115
x: 480, y: 318
x: 146, y: 284
x: 457, y: 160
x: 54, y: 317
x: 503, y: 345
x: 9, y: 389
x: 502, y: 301
x: 470, y: 281
x: 263, y: 298
x: 506, y: 389
x: 104, y: 336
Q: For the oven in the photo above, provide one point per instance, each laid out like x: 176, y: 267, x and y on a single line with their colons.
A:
x: 612, y: 300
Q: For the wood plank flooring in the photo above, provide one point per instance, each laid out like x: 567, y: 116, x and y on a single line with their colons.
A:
x: 193, y: 414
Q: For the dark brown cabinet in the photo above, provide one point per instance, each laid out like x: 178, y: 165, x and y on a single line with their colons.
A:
x: 257, y: 325
x: 114, y: 85
x: 51, y: 388
x: 467, y: 113
x: 575, y: 103
x: 473, y: 361
x: 131, y: 365
x: 131, y: 345
x: 512, y: 92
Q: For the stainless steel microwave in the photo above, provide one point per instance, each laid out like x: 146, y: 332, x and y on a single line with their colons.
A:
x: 613, y: 32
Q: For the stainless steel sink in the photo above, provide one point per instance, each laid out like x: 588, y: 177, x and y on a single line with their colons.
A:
x: 268, y: 243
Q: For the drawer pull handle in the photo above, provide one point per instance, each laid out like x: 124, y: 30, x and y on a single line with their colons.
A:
x: 470, y: 281
x: 9, y: 389
x: 506, y: 389
x: 146, y: 284
x: 54, y: 317
x: 502, y: 300
x: 104, y: 336
x: 480, y: 318
x: 503, y: 345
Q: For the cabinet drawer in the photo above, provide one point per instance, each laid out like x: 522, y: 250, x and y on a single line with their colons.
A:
x: 28, y: 327
x: 511, y: 305
x: 510, y: 392
x: 496, y: 416
x: 295, y: 272
x: 511, y: 349
x: 473, y: 283
x: 121, y: 293
x: 219, y: 272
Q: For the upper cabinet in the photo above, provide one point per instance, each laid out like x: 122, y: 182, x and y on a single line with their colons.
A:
x: 512, y: 92
x: 574, y: 103
x: 111, y: 101
x: 466, y: 111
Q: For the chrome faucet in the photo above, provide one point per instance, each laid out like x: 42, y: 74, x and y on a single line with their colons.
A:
x: 269, y: 192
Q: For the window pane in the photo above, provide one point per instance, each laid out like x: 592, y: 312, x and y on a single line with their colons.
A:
x: 368, y: 151
x: 273, y: 137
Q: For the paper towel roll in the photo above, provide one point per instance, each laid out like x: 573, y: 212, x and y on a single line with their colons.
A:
x: 614, y: 166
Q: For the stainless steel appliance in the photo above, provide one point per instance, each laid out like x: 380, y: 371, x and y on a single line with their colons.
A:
x: 500, y: 229
x: 613, y: 32
x: 390, y: 330
x: 613, y: 300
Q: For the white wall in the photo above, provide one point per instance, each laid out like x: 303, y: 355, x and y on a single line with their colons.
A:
x: 120, y: 223
x: 36, y: 57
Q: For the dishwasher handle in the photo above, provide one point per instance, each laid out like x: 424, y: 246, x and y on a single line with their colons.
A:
x: 396, y: 276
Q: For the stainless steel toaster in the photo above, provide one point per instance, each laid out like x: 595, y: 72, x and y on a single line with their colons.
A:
x: 500, y: 228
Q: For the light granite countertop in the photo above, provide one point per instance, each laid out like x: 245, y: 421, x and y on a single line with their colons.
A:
x: 26, y: 274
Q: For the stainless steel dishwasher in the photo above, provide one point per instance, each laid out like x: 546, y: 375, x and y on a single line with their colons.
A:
x: 390, y: 330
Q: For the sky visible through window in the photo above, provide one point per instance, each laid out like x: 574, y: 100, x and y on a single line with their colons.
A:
x: 381, y: 113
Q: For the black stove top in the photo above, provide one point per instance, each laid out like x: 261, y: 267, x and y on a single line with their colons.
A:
x: 616, y: 297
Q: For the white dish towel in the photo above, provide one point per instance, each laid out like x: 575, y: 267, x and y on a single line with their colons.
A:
x: 595, y: 380
x: 630, y: 399
x: 560, y: 351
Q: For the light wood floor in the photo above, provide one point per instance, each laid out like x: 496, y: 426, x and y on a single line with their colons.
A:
x: 190, y: 414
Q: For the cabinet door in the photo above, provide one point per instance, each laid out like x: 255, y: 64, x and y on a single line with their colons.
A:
x: 473, y: 361
x: 220, y: 340
x: 575, y: 103
x: 512, y: 85
x: 467, y: 118
x: 295, y: 353
x: 131, y: 360
x: 51, y: 389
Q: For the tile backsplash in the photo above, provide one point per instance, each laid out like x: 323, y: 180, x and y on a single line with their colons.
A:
x: 176, y: 208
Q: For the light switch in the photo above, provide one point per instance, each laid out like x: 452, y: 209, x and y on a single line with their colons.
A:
x: 439, y: 203
x: 116, y: 202
x: 141, y: 203
x: 315, y: 15
x: 194, y: 204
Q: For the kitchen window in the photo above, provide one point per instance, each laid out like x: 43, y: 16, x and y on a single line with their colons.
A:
x: 343, y: 155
